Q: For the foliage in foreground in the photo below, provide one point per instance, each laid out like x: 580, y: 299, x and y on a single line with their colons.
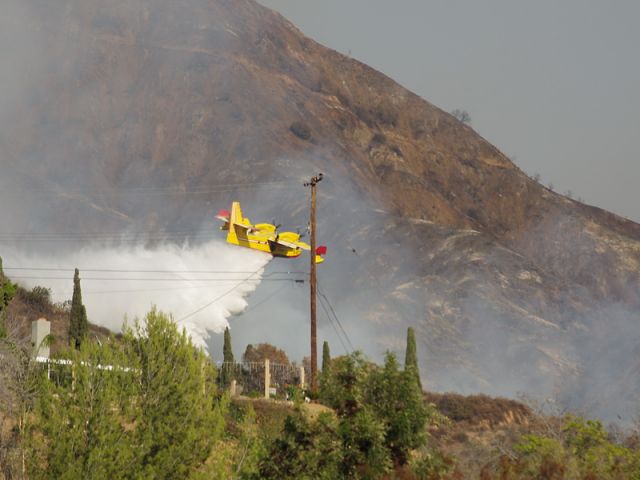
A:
x: 144, y: 407
x: 380, y: 417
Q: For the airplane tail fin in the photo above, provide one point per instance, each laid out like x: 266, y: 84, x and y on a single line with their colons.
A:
x: 238, y: 226
x: 236, y: 214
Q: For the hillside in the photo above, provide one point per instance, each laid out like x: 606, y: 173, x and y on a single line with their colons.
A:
x: 148, y: 116
x: 28, y: 305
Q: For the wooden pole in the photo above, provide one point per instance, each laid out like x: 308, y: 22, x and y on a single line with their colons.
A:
x: 312, y: 231
x: 267, y: 378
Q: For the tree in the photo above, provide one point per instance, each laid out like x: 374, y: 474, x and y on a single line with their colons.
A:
x: 227, y: 360
x: 326, y: 358
x: 78, y: 323
x: 145, y: 406
x: 397, y: 400
x: 20, y: 383
x: 178, y: 418
x: 361, y: 432
x: 263, y: 351
x: 411, y: 357
x: 306, y: 449
x: 7, y: 291
x: 84, y: 428
x: 462, y: 116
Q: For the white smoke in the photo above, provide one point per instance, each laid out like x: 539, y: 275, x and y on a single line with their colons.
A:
x: 202, y: 286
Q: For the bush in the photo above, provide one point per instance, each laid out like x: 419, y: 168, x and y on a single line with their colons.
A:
x: 378, y: 139
x: 462, y: 116
x: 38, y: 298
x: 386, y: 114
x: 476, y: 408
x: 304, y: 450
x: 581, y: 450
x: 301, y: 130
x: 396, y: 149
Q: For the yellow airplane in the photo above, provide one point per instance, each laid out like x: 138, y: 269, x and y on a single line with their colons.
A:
x: 263, y: 236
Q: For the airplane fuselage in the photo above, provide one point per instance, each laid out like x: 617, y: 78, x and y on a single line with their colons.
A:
x: 261, y: 236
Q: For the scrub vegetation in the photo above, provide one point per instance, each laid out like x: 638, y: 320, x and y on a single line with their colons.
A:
x: 149, y: 404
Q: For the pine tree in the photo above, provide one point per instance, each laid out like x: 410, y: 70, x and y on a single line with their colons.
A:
x: 78, y: 323
x: 227, y: 359
x: 154, y: 414
x: 81, y: 432
x: 179, y: 420
x: 411, y: 357
x: 326, y: 357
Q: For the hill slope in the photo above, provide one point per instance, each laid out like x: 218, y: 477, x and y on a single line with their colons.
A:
x: 147, y: 116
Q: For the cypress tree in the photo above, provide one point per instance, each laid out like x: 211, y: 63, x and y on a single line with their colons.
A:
x: 326, y: 357
x: 78, y: 323
x: 227, y: 365
x: 411, y: 357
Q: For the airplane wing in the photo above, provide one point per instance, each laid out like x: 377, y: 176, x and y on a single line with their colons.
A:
x: 284, y: 243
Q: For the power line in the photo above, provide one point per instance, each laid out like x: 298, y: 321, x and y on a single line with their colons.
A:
x: 57, y: 190
x: 218, y: 297
x: 344, y: 347
x: 117, y: 270
x: 132, y: 236
x: 264, y: 300
x: 144, y: 290
x: 139, y: 279
x: 322, y: 295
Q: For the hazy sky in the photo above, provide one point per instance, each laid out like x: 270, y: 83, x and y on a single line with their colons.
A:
x: 553, y: 84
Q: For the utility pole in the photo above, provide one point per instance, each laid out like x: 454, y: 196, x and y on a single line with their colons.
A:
x: 312, y: 233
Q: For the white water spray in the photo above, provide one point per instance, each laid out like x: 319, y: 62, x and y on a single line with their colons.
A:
x: 202, y: 286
